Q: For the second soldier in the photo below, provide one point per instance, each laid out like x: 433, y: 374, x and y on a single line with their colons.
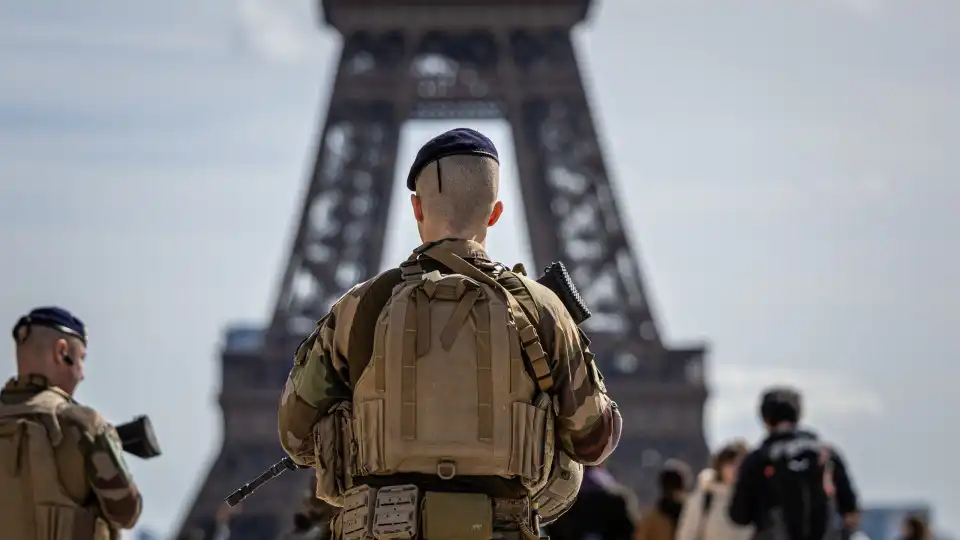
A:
x: 65, y: 477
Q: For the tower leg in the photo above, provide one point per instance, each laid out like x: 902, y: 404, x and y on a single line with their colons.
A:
x: 573, y: 216
x: 339, y: 242
x: 339, y: 239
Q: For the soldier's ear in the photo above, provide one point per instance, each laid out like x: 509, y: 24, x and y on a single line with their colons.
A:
x: 417, y: 207
x: 495, y: 214
x: 61, y: 348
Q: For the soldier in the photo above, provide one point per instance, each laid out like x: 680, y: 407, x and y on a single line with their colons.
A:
x: 438, y: 387
x: 65, y: 477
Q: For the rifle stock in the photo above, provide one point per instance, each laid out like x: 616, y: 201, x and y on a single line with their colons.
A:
x: 556, y: 278
x: 138, y: 438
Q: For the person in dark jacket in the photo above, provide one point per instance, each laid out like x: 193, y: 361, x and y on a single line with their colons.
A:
x: 605, y: 509
x: 756, y: 496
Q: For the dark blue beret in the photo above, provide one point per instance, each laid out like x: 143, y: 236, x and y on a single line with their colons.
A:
x: 56, y: 318
x: 455, y: 142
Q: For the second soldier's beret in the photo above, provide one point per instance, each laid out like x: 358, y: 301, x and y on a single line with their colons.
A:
x: 460, y: 141
x: 56, y: 318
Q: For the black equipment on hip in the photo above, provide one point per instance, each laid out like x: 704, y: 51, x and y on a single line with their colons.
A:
x: 278, y: 468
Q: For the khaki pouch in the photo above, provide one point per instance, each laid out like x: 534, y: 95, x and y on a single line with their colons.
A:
x: 459, y: 516
x: 333, y: 452
x: 532, y: 428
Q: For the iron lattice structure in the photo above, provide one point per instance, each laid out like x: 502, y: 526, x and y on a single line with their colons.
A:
x: 459, y: 59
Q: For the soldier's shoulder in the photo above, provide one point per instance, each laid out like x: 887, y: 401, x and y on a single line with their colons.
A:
x: 546, y: 299
x: 540, y: 293
x: 385, y: 278
x: 87, y: 419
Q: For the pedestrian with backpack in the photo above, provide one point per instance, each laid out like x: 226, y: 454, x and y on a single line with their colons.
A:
x: 704, y: 515
x: 790, y: 487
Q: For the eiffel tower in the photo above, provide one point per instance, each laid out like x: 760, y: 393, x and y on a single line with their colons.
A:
x: 456, y: 59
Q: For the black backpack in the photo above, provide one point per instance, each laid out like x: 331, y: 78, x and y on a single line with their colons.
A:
x: 799, y: 471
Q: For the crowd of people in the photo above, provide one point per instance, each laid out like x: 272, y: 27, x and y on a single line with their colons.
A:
x: 792, y: 486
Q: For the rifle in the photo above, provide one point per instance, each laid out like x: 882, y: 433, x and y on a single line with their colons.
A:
x: 555, y: 277
x: 138, y: 438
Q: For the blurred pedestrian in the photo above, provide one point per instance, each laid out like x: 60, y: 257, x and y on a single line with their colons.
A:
x: 914, y: 527
x: 790, y: 487
x: 605, y: 509
x: 704, y: 515
x: 660, y: 523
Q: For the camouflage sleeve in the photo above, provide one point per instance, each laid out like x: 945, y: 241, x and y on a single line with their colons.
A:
x: 106, y: 470
x: 588, y: 421
x: 319, y: 379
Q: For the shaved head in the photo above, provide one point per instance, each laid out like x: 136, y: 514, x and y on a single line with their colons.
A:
x: 460, y: 202
x: 40, y: 342
x: 51, y: 353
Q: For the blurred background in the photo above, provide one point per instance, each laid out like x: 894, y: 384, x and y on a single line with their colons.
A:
x: 787, y: 172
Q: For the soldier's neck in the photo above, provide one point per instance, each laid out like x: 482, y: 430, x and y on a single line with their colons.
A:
x: 446, y: 235
x: 32, y: 376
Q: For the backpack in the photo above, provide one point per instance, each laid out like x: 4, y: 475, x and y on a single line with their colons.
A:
x: 33, y: 505
x: 799, y: 470
x: 446, y: 390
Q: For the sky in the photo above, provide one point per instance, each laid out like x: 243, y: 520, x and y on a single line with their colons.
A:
x: 787, y: 170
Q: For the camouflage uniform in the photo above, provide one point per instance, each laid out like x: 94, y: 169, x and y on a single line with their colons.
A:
x: 90, y: 464
x: 588, y: 422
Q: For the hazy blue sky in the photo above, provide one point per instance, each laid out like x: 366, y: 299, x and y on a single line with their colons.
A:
x: 789, y: 173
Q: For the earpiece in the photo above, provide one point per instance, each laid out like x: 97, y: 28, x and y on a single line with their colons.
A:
x: 66, y: 358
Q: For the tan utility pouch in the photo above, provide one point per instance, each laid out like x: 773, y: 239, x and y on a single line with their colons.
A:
x: 334, y: 453
x: 460, y: 516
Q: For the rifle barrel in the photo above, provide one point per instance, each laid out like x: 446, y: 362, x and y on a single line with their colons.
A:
x: 275, y: 470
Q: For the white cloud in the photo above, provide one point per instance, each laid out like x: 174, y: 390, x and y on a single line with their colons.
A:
x: 862, y: 8
x: 144, y: 39
x: 285, y: 32
x: 827, y: 394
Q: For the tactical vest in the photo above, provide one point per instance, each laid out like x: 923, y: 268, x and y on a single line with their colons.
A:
x: 33, y: 503
x: 441, y: 387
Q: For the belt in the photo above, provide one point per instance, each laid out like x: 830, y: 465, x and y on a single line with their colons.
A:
x: 404, y: 512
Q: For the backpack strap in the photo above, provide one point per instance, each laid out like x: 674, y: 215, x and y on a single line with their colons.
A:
x: 372, y: 300
x: 529, y: 339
